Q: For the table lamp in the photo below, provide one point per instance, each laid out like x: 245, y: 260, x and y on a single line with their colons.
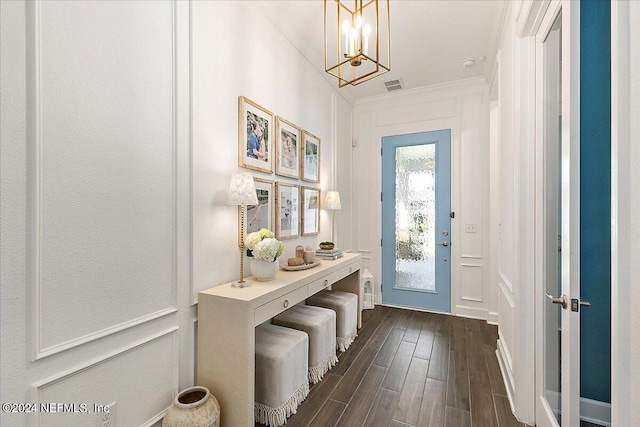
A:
x: 332, y: 202
x: 242, y: 192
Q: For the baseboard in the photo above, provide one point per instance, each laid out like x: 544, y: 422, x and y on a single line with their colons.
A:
x: 493, y: 317
x: 592, y: 411
x: 595, y: 412
x: 470, y: 312
x: 507, y: 375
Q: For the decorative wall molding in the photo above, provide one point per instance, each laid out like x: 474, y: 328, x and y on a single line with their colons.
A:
x: 464, y: 285
x: 35, y: 142
x: 506, y: 283
x: 38, y: 388
x: 530, y: 16
x: 194, y: 331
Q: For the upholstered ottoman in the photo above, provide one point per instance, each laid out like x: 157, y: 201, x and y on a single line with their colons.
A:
x: 345, y: 304
x: 281, y: 373
x: 320, y: 324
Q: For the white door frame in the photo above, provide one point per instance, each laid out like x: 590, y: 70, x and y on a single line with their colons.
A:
x: 570, y: 220
x: 544, y: 205
x: 621, y: 278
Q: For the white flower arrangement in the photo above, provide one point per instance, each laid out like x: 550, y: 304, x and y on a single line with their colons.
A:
x: 263, y: 245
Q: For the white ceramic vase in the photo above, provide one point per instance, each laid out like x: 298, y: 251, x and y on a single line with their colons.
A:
x: 193, y: 407
x: 264, y: 271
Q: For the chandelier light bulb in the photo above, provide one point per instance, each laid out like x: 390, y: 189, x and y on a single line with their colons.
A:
x: 366, y: 31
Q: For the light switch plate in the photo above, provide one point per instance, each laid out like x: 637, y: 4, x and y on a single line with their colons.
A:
x: 471, y: 227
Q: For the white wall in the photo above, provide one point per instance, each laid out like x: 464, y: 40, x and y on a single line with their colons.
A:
x: 462, y: 107
x: 515, y: 193
x: 118, y: 141
x: 236, y: 52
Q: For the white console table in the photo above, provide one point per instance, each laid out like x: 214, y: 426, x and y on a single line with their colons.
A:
x: 227, y: 318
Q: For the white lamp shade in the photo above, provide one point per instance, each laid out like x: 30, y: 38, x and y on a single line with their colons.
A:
x: 242, y: 190
x: 332, y: 201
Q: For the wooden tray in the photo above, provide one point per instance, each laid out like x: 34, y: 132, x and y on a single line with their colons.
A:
x: 299, y: 267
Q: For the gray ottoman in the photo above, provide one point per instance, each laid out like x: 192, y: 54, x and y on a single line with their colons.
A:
x: 320, y: 325
x: 281, y: 373
x: 345, y: 304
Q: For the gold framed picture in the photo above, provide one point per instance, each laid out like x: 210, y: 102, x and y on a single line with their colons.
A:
x: 287, y: 210
x: 255, y: 134
x: 287, y: 150
x: 310, y: 211
x: 310, y: 157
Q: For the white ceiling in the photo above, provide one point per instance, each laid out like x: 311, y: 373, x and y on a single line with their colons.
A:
x: 429, y: 39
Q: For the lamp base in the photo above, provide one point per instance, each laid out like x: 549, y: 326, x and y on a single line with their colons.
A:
x: 239, y: 284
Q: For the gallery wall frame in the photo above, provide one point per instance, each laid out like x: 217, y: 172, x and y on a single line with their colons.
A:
x: 255, y: 136
x: 287, y: 148
x: 287, y: 210
x: 310, y: 211
x: 310, y: 157
x: 260, y: 215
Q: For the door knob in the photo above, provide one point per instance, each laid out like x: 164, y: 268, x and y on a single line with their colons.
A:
x: 445, y: 243
x: 562, y: 300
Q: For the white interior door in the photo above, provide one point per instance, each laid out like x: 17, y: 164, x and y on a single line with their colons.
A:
x: 558, y: 209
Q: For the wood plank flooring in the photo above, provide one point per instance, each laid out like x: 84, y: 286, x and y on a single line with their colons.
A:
x: 412, y: 369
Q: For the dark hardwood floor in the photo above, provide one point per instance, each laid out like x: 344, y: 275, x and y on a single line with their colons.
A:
x: 409, y: 368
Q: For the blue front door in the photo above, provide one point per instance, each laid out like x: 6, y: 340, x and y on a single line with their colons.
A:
x: 416, y: 232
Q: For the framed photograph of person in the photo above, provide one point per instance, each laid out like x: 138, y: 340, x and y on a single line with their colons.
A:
x: 310, y: 158
x: 287, y: 148
x: 310, y: 211
x: 287, y: 210
x: 260, y: 215
x: 255, y: 132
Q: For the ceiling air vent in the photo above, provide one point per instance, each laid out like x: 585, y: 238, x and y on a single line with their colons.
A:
x: 392, y: 85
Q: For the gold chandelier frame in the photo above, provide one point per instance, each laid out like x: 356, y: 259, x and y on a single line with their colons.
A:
x: 356, y: 54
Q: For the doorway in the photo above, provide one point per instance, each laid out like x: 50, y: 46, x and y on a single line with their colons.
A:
x: 416, y: 223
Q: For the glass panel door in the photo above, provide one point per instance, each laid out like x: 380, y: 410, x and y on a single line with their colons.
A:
x: 416, y: 251
x: 552, y: 134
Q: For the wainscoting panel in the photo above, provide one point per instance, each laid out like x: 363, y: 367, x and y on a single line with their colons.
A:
x: 102, y: 168
x: 474, y: 156
x: 141, y: 380
x: 471, y: 288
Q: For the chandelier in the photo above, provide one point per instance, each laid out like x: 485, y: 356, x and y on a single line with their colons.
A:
x: 356, y: 40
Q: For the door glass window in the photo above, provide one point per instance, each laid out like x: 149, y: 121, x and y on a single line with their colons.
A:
x: 415, y: 217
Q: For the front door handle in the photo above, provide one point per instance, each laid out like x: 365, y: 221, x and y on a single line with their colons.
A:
x: 562, y: 300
